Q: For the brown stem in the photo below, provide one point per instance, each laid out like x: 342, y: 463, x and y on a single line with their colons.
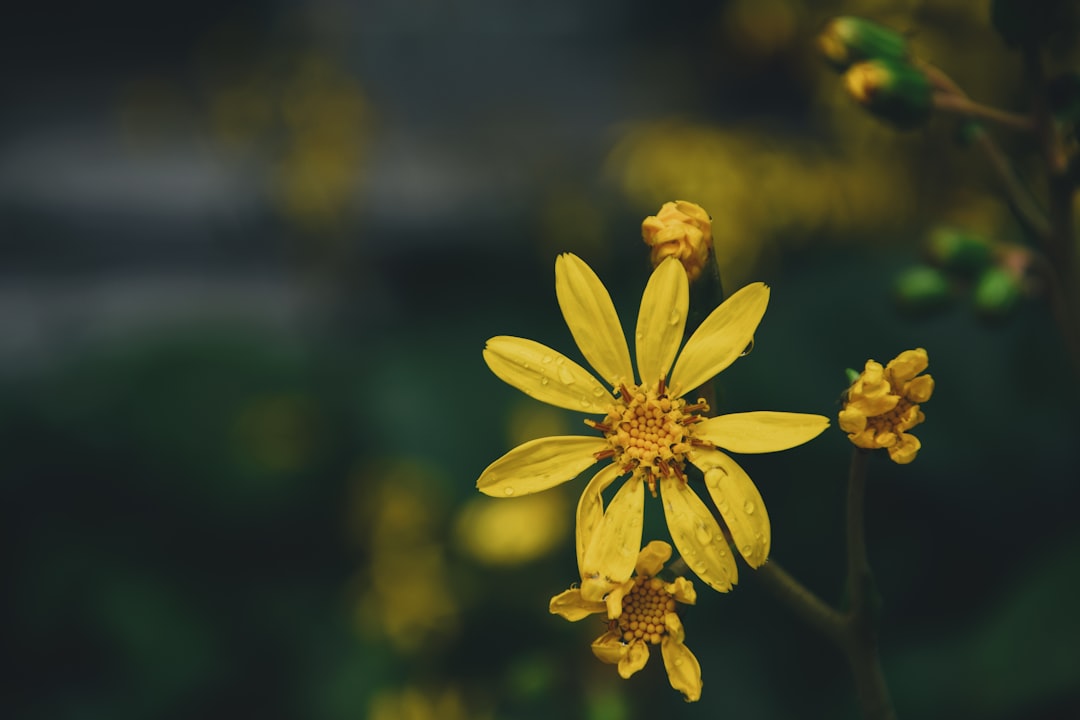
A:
x: 962, y: 105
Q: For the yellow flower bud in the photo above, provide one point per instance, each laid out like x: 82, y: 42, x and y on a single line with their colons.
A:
x: 848, y: 40
x: 680, y: 229
x: 896, y: 92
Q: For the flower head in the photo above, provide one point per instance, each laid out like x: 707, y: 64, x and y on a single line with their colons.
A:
x: 642, y: 612
x: 682, y: 230
x: 883, y: 404
x: 647, y: 429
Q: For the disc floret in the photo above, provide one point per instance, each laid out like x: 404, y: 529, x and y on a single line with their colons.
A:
x: 649, y: 432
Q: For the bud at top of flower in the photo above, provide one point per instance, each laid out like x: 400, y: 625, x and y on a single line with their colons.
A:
x: 894, y: 91
x: 680, y: 229
x: 848, y: 40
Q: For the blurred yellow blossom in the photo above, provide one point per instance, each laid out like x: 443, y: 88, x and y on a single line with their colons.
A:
x: 405, y: 593
x: 648, y: 430
x: 641, y: 612
x: 497, y: 533
x: 883, y: 404
x: 412, y: 703
x: 681, y: 230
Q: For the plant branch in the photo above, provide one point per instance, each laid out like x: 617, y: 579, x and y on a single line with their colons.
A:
x: 950, y: 102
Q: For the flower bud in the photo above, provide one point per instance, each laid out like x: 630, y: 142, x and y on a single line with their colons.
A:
x: 922, y: 289
x: 680, y: 229
x: 848, y: 40
x: 892, y: 90
x: 957, y: 250
x: 997, y: 292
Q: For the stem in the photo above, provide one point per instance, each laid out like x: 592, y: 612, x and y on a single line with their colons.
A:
x: 854, y: 631
x: 963, y: 105
x: 861, y: 639
x: 1030, y: 215
x: 816, y: 612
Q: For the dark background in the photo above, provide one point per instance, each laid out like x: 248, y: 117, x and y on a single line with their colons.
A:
x: 251, y: 253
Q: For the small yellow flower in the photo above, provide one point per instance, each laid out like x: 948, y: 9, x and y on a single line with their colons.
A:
x: 641, y: 612
x: 648, y: 430
x: 682, y: 230
x: 883, y: 404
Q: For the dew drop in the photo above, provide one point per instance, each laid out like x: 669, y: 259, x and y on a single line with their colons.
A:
x: 560, y: 360
x: 543, y: 381
x: 746, y: 550
x: 598, y: 391
x: 566, y: 376
x: 674, y: 318
x: 586, y: 402
x: 723, y: 507
x: 508, y: 491
x: 712, y: 478
x: 546, y: 359
x: 704, y: 536
x: 748, y: 507
x: 748, y: 349
x: 678, y: 660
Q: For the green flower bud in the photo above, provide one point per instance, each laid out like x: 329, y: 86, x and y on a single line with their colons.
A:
x: 894, y: 91
x: 848, y: 40
x: 922, y: 289
x: 997, y: 292
x: 957, y: 250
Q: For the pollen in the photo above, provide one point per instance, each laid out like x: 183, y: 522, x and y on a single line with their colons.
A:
x: 649, y: 432
x: 644, y: 608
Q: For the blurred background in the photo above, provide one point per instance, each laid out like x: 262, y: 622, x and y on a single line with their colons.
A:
x: 251, y: 253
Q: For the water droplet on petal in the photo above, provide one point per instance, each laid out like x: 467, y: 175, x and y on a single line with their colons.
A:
x: 543, y: 381
x: 675, y: 317
x: 712, y: 478
x: 566, y: 376
x: 746, y: 550
x: 508, y: 491
x: 546, y: 359
x: 748, y: 507
x: 560, y: 360
x: 704, y: 536
x: 748, y: 349
x: 598, y: 391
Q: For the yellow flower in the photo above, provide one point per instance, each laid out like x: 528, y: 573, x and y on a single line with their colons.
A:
x: 648, y: 430
x: 682, y: 230
x: 883, y: 404
x: 641, y: 612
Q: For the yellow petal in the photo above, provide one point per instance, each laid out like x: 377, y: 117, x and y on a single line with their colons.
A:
x: 541, y: 373
x: 661, y: 321
x: 761, y: 432
x: 634, y: 659
x: 739, y: 503
x: 615, y: 597
x: 697, y: 535
x: 652, y: 557
x: 591, y: 317
x: 682, y: 590
x: 609, y: 648
x: 539, y: 464
x: 908, y: 364
x: 572, y: 606
x: 612, y: 553
x: 919, y: 389
x: 905, y: 451
x: 590, y: 510
x: 852, y: 420
x: 683, y: 669
x: 721, y: 338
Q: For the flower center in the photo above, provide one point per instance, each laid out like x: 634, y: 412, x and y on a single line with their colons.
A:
x: 894, y: 421
x: 650, y: 433
x: 644, y: 608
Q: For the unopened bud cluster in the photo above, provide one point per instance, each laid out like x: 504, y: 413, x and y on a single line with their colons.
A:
x: 878, y: 73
